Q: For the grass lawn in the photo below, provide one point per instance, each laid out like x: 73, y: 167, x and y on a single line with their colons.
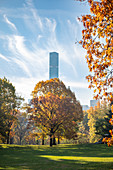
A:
x: 74, y: 157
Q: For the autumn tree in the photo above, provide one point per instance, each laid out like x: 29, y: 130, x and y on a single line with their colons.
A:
x: 92, y: 116
x: 57, y: 87
x: 50, y: 112
x: 67, y: 131
x: 97, y: 40
x: 9, y: 104
x: 53, y: 98
x: 71, y: 130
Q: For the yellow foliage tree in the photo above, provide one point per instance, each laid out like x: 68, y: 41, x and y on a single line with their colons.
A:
x: 94, y: 114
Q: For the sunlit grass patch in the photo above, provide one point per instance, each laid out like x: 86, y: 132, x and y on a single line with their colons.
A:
x: 87, y: 159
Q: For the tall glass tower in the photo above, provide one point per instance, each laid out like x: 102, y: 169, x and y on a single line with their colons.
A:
x: 53, y: 65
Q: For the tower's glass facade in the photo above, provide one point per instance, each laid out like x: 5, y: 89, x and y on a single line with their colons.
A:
x: 53, y: 65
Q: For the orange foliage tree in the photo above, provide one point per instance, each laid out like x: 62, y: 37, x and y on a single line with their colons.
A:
x: 97, y: 40
x: 57, y: 87
x: 55, y: 108
x: 51, y: 112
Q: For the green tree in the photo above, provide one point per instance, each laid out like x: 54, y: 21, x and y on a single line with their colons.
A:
x: 3, y: 127
x: 103, y: 126
x: 9, y: 104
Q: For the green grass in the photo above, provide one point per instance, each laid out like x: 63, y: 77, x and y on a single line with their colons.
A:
x: 65, y: 157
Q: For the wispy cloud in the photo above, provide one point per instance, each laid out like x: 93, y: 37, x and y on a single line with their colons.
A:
x: 72, y: 26
x: 33, y: 15
x: 10, y: 23
x: 51, y: 24
x: 4, y: 58
x: 29, y: 49
x: 45, y: 28
x: 22, y: 66
x: 33, y: 61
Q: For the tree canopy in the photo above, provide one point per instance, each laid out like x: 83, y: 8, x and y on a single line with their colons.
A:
x: 57, y: 87
x: 103, y: 126
x: 97, y: 39
x: 55, y: 109
x: 9, y: 104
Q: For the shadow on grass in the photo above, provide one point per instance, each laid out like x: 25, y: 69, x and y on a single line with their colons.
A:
x: 59, y: 157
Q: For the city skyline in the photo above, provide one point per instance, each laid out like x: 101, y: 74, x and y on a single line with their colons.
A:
x: 29, y: 31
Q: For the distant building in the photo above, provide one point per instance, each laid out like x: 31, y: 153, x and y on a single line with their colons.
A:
x: 29, y: 100
x: 53, y: 65
x: 93, y: 103
x: 85, y: 107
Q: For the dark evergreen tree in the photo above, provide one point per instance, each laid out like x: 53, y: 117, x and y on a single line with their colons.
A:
x: 103, y: 126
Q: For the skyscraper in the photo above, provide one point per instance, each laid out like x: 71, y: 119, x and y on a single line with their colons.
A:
x: 53, y: 65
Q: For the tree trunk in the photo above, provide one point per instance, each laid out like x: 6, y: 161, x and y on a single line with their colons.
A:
x: 8, y: 137
x: 37, y: 142
x: 43, y: 141
x: 11, y: 140
x: 51, y: 137
x: 51, y: 141
x: 58, y: 140
x: 54, y: 141
x: 20, y: 140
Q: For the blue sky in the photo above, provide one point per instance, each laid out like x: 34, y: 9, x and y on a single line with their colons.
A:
x: 29, y: 30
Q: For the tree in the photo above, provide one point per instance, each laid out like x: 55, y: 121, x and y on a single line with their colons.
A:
x: 71, y: 130
x: 95, y: 115
x: 57, y: 88
x: 83, y: 133
x: 9, y: 104
x: 20, y: 128
x: 97, y: 40
x: 92, y: 116
x: 51, y: 112
x: 103, y: 126
x: 109, y: 139
x: 3, y: 128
